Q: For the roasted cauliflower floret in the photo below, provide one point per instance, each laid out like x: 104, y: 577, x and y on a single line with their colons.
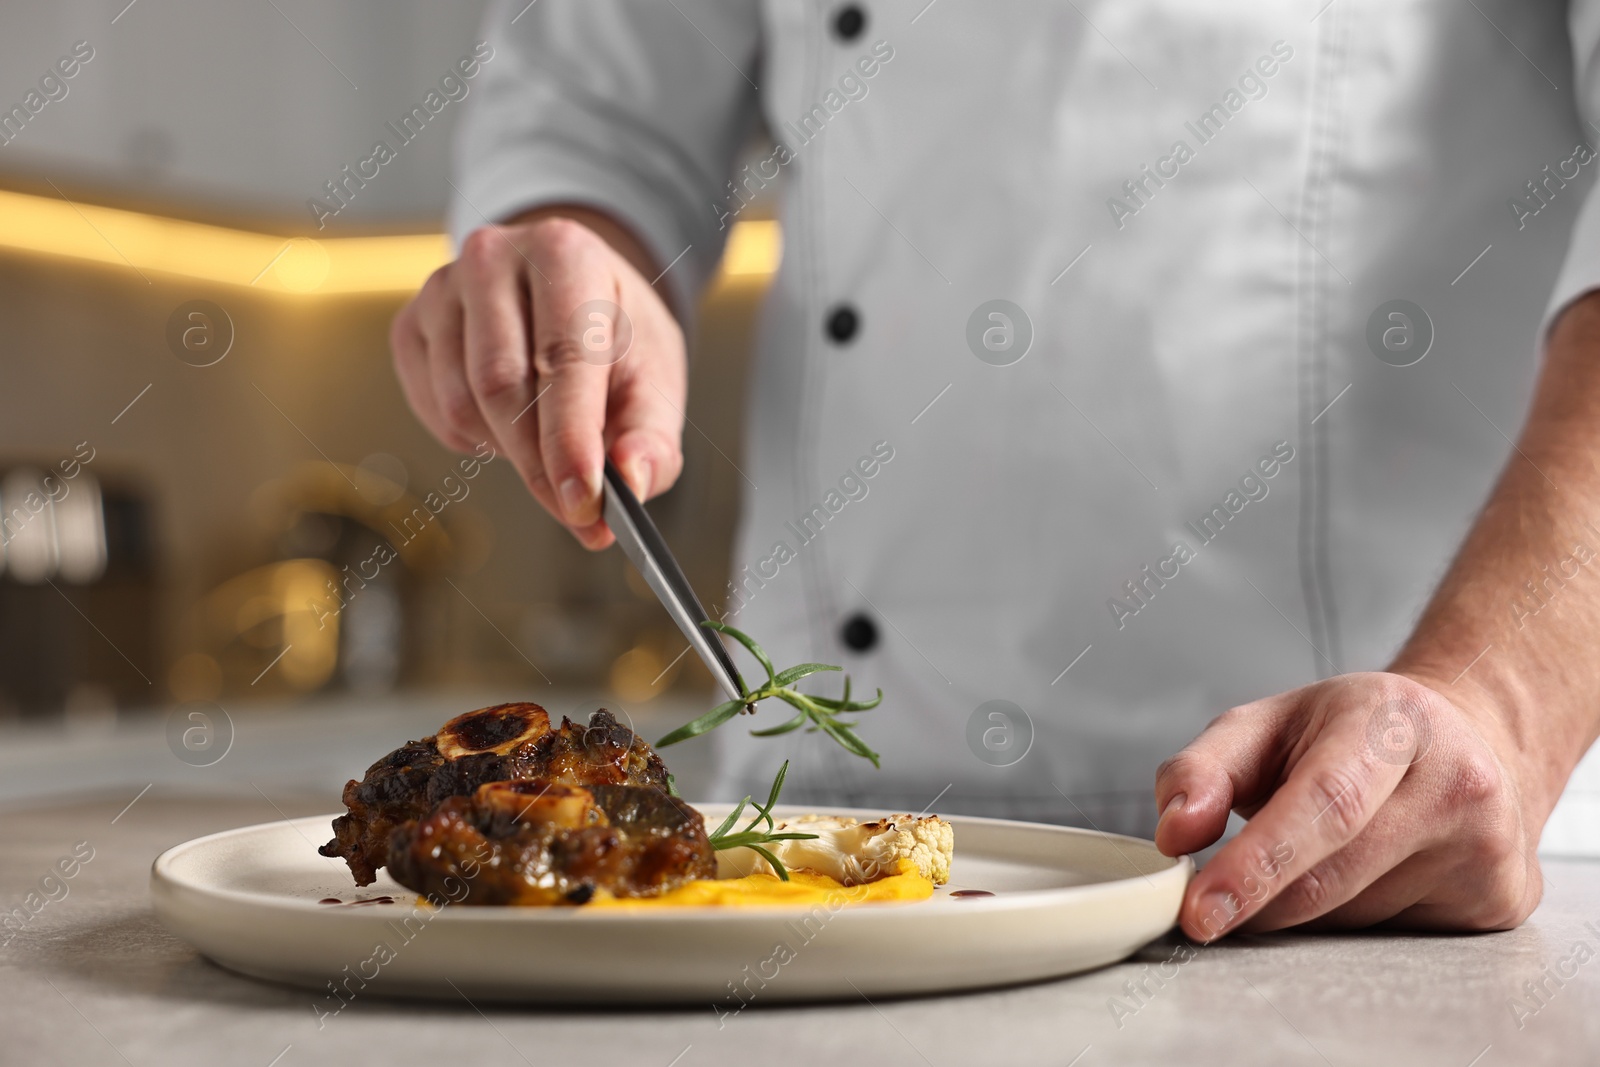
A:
x: 854, y: 853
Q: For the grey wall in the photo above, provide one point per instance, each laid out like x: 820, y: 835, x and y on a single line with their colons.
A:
x: 226, y: 107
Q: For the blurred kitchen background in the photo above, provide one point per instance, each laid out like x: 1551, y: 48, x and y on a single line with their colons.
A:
x: 202, y: 439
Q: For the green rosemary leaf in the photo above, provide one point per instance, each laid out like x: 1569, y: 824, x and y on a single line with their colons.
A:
x: 800, y: 701
x: 754, y: 839
x: 848, y: 704
x: 672, y: 786
x: 777, y: 787
x: 815, y: 713
x: 759, y: 818
x: 709, y: 721
x: 748, y: 642
x: 777, y: 865
x: 842, y: 733
x: 794, y: 674
x: 793, y: 724
x: 733, y: 817
x: 745, y: 840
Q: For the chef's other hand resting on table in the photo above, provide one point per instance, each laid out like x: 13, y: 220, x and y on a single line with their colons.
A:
x: 546, y: 339
x: 1415, y: 797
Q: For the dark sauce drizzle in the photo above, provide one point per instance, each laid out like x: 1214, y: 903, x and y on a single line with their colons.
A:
x: 335, y: 901
x: 972, y: 893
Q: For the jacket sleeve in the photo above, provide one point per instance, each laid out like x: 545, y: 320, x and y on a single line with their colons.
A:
x: 635, y: 107
x: 1580, y: 273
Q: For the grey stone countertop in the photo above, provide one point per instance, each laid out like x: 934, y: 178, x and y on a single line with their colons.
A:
x: 93, y: 978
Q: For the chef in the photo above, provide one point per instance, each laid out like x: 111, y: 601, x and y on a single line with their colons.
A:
x: 1131, y: 366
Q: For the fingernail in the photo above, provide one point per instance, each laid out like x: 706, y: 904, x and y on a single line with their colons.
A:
x: 574, y: 494
x: 1175, y: 804
x: 637, y: 472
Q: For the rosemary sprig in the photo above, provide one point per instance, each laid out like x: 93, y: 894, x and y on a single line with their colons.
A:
x: 752, y: 838
x: 820, y: 712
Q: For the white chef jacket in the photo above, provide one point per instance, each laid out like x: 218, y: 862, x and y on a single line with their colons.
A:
x: 1200, y: 207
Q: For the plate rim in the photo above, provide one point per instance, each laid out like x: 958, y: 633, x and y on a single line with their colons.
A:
x: 1179, y: 868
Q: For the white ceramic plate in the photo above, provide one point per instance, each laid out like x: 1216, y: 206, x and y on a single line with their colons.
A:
x: 1064, y: 901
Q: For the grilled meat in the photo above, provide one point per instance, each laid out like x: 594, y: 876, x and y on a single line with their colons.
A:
x: 394, y: 791
x: 543, y: 842
x: 504, y: 743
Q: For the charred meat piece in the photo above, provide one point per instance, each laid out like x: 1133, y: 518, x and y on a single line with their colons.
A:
x: 540, y: 842
x: 394, y: 791
x: 400, y: 786
x: 504, y: 743
x: 604, y: 752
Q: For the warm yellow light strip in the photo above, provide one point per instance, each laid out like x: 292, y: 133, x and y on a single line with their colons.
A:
x: 143, y: 243
x: 754, y: 247
x: 150, y: 243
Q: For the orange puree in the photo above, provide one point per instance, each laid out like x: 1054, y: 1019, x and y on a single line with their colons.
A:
x: 762, y: 890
